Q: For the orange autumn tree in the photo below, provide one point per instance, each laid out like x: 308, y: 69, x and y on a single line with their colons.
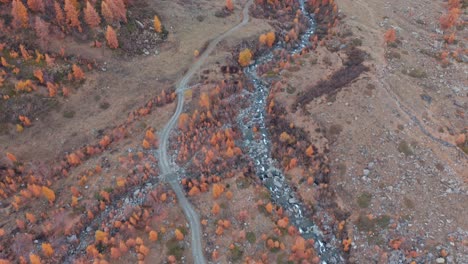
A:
x: 390, y: 36
x: 48, y: 194
x: 59, y: 17
x: 107, y: 13
x: 20, y: 14
x: 78, y: 73
x: 47, y: 249
x: 72, y: 14
x: 245, y: 57
x: 262, y: 39
x: 270, y: 38
x: 179, y: 235
x: 91, y: 16
x: 229, y: 5
x: 111, y: 38
x: 36, y: 5
x: 218, y: 189
x: 157, y: 24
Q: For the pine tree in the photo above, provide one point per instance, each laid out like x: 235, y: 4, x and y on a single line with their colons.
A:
x: 91, y: 16
x: 20, y: 14
x: 111, y: 38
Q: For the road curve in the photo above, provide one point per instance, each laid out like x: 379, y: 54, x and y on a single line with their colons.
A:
x: 164, y: 161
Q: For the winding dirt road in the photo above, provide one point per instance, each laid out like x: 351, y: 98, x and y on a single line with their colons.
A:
x: 165, y: 165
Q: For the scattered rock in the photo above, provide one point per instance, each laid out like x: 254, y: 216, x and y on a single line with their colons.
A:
x: 366, y: 172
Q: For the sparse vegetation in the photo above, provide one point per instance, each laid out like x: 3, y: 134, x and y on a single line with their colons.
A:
x: 364, y: 199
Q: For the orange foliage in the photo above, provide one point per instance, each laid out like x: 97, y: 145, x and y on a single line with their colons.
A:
x: 91, y: 16
x: 36, y: 5
x: 449, y: 20
x: 31, y: 218
x: 245, y: 57
x: 178, y: 235
x: 59, y: 17
x: 100, y: 236
x: 262, y: 39
x: 73, y: 159
x: 72, y: 14
x: 48, y: 194
x: 183, y: 120
x: 39, y: 75
x: 146, y: 144
x: 269, y: 207
x: 157, y: 24
x: 229, y: 5
x: 194, y: 191
x: 20, y: 14
x: 204, y: 101
x: 283, y: 222
x: 310, y: 151
x: 153, y: 235
x: 11, y: 157
x: 106, y: 12
x: 34, y: 259
x: 216, y: 208
x: 114, y: 253
x: 395, y: 243
x: 390, y: 36
x: 218, y: 189
x: 47, y: 249
x: 78, y: 73
x: 346, y: 244
x: 270, y: 38
x: 111, y: 38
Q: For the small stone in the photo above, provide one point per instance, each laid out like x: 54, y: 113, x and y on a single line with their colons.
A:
x: 139, y: 24
x: 366, y: 172
x: 440, y: 260
x: 370, y: 165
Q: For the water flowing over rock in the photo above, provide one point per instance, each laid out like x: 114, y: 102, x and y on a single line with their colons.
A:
x: 259, y: 149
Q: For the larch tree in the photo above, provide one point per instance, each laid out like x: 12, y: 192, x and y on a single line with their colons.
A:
x: 157, y: 24
x: 270, y: 38
x: 78, y: 73
x: 229, y: 5
x: 72, y: 15
x: 36, y: 5
x: 59, y: 17
x: 245, y: 57
x: 121, y: 10
x: 41, y: 28
x: 111, y: 38
x: 20, y: 14
x: 262, y: 39
x: 91, y: 16
x: 117, y: 7
x: 390, y: 36
x: 107, y: 12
